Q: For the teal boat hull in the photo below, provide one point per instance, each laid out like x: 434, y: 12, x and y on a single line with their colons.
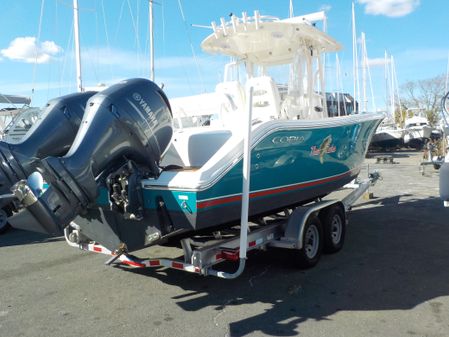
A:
x: 289, y: 167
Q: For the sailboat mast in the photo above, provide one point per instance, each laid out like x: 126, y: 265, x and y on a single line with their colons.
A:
x: 396, y: 90
x: 447, y: 75
x: 364, y: 66
x: 79, y: 83
x: 355, y: 60
x: 337, y: 78
x: 387, y: 98
x: 291, y: 9
x: 393, y: 87
x: 151, y: 41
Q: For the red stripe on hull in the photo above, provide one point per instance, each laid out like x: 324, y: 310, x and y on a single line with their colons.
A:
x: 226, y: 200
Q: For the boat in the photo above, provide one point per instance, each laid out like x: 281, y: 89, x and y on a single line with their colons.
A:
x: 10, y: 107
x: 417, y: 130
x: 388, y: 136
x: 131, y: 180
x: 20, y: 124
x: 340, y: 104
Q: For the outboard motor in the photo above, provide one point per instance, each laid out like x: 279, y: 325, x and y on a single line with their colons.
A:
x: 128, y: 121
x: 51, y: 135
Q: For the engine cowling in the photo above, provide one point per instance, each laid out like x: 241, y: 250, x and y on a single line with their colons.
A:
x: 128, y: 121
x: 51, y: 135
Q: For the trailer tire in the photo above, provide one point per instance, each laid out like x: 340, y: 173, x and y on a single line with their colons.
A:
x: 4, y: 224
x: 312, y: 244
x: 334, y: 228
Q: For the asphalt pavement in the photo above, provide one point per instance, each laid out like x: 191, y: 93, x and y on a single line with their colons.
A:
x: 390, y: 279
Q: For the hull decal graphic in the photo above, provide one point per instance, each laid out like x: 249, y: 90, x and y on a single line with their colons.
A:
x: 238, y: 197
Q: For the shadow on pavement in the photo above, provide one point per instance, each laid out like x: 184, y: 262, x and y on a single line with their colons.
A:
x: 15, y: 237
x: 395, y: 258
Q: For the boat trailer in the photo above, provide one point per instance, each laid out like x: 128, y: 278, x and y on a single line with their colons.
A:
x: 305, y: 230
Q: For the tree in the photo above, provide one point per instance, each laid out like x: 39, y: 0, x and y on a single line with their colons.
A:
x: 425, y: 95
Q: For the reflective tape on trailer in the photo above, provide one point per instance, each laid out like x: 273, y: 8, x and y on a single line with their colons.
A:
x: 142, y: 263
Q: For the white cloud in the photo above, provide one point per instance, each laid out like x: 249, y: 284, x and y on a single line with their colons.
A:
x: 325, y: 8
x: 121, y: 59
x: 391, y: 8
x: 26, y: 49
x: 378, y: 61
x: 114, y: 57
x: 419, y: 55
x: 26, y: 87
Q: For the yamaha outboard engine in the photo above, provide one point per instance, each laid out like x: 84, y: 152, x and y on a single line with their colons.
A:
x: 128, y: 121
x: 51, y: 135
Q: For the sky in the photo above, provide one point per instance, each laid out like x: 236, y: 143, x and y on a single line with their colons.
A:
x: 37, y: 48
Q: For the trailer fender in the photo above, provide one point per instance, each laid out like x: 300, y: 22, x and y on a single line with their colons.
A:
x: 294, y: 229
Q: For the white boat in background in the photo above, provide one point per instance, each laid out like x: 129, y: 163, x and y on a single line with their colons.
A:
x: 388, y: 136
x: 341, y: 104
x: 10, y: 106
x: 417, y: 130
x: 20, y: 124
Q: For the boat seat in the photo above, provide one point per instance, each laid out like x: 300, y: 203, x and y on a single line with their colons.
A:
x: 266, y: 98
x: 194, y: 147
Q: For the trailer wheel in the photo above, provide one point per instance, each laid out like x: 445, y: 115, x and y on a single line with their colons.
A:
x: 312, y: 244
x: 334, y: 225
x: 4, y: 224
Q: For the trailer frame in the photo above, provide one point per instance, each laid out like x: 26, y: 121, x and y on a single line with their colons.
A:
x: 281, y: 231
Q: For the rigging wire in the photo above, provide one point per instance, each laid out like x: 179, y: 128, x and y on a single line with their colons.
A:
x: 366, y: 59
x: 108, y: 44
x: 56, y: 29
x: 163, y: 28
x: 94, y: 60
x: 69, y: 46
x: 191, y: 46
x: 37, y: 47
x: 119, y: 20
x: 136, y: 30
x: 373, y: 102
